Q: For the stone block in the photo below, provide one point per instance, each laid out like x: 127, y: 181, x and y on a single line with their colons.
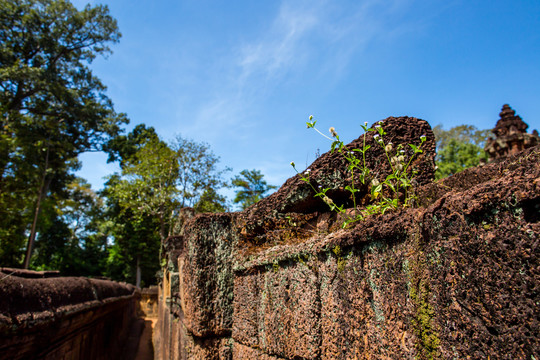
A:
x: 206, y: 274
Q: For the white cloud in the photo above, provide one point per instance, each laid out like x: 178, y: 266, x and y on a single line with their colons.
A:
x: 306, y: 39
x: 281, y: 45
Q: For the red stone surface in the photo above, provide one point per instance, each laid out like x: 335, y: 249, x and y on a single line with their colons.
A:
x: 511, y: 135
x: 206, y: 277
x: 456, y: 277
x: 63, y: 317
x: 295, y: 196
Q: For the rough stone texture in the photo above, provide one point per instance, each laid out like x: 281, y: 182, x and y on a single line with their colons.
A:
x: 206, y: 276
x: 148, y: 305
x: 48, y: 317
x: 241, y: 352
x: 258, y: 224
x: 456, y: 277
x: 510, y: 135
x: 196, y: 293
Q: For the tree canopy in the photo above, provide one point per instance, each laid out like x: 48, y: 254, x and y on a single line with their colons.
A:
x: 156, y: 181
x: 52, y: 107
x: 458, y: 148
x: 252, y: 187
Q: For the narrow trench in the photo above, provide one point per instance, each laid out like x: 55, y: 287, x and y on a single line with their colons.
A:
x: 146, y: 346
x: 139, y: 345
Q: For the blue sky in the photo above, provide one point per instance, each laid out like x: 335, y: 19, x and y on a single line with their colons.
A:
x: 244, y: 76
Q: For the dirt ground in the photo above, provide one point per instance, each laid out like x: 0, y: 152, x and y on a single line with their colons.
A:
x: 146, y: 347
x: 139, y: 344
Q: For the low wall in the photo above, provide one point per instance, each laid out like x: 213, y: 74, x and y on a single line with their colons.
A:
x: 457, y: 277
x: 43, y: 316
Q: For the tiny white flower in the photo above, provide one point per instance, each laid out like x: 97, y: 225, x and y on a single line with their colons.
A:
x: 375, y: 182
x: 401, y: 158
x: 365, y: 123
x: 376, y: 136
x: 333, y: 131
x: 388, y: 147
x: 327, y: 200
x: 423, y: 137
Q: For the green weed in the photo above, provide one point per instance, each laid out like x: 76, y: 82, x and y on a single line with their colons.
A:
x: 393, y: 192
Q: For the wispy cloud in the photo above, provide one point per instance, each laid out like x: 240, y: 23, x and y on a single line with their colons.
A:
x: 316, y: 38
x: 282, y: 45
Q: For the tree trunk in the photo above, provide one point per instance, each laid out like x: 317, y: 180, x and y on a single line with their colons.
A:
x: 138, y: 273
x: 42, y: 191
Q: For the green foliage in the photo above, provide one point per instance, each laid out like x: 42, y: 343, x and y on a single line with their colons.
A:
x: 460, y: 133
x: 147, y: 184
x: 211, y: 201
x: 198, y: 170
x: 121, y: 148
x: 457, y: 156
x: 52, y: 107
x: 459, y: 148
x: 390, y: 193
x: 252, y: 187
x: 144, y: 200
x: 69, y: 238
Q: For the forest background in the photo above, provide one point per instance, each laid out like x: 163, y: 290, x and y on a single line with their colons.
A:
x: 55, y: 109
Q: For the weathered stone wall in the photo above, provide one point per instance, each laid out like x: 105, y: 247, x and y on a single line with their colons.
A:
x: 148, y: 304
x: 455, y: 278
x: 43, y: 316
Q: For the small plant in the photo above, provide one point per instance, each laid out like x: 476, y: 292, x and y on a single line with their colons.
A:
x: 390, y: 193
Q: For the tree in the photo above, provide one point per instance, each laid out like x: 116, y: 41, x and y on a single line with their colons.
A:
x: 198, y: 172
x: 70, y: 238
x: 52, y: 107
x: 121, y: 148
x: 147, y: 184
x: 144, y: 200
x: 459, y: 148
x: 134, y: 254
x: 252, y: 187
x: 211, y: 201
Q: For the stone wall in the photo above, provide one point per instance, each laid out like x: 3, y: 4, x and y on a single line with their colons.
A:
x: 44, y: 316
x: 456, y: 277
x: 148, y: 304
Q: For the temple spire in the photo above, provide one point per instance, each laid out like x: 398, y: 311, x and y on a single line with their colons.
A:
x: 511, y: 135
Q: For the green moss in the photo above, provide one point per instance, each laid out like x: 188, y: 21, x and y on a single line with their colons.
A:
x: 428, y: 346
x: 341, y: 261
x: 428, y: 341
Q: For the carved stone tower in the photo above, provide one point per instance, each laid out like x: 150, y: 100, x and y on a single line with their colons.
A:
x: 511, y: 135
